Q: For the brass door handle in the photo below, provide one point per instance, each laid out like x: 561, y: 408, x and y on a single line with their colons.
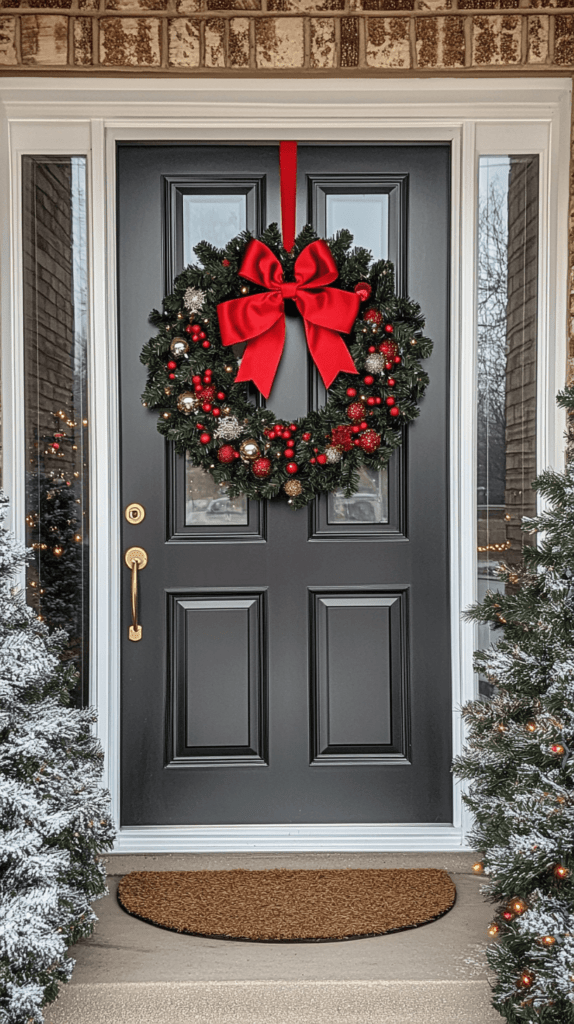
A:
x: 136, y: 559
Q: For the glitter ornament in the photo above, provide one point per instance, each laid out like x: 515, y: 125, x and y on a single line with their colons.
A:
x: 356, y: 411
x: 370, y: 441
x: 390, y: 349
x: 375, y: 363
x: 342, y: 438
x: 179, y: 347
x: 261, y: 467
x: 373, y: 316
x: 226, y: 454
x: 293, y: 488
x: 193, y: 300
x: 249, y: 450
x: 333, y: 455
x: 229, y: 428
x: 187, y: 402
x: 363, y: 290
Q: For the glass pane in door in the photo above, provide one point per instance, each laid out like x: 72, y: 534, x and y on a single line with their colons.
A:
x: 367, y: 217
x: 211, y: 218
x: 215, y: 219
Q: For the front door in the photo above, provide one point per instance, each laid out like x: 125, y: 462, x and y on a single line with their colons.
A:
x: 294, y: 666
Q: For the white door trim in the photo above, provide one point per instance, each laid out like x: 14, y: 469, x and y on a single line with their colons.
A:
x: 52, y: 116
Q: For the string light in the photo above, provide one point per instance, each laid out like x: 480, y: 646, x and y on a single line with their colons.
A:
x: 531, y: 725
x: 561, y: 872
x: 493, y: 930
x: 478, y: 867
x: 526, y: 979
x: 547, y: 940
x: 557, y: 748
x: 518, y: 906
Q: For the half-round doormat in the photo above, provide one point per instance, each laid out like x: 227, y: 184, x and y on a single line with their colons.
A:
x: 288, y: 906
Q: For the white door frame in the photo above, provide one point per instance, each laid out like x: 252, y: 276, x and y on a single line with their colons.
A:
x: 47, y: 116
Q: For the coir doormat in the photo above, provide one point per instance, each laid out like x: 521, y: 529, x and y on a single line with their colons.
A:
x: 288, y: 906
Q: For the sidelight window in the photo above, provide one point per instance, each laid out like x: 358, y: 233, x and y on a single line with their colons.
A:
x: 55, y: 307
x: 506, y: 329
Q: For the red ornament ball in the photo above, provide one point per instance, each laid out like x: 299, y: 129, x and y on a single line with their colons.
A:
x: 389, y: 349
x: 172, y: 365
x: 261, y: 467
x: 306, y: 437
x: 351, y: 392
x: 226, y: 453
x: 289, y: 453
x: 205, y: 344
x: 373, y: 316
x: 292, y: 468
x: 389, y: 328
x: 208, y: 393
x: 225, y: 263
x: 369, y: 380
x: 189, y: 329
x: 363, y: 290
x: 205, y: 438
x: 370, y: 441
x: 342, y: 438
x: 395, y: 411
x: 355, y: 411
x: 390, y: 401
x: 321, y: 459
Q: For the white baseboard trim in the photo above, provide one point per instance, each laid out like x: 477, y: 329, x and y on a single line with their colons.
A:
x: 288, y: 838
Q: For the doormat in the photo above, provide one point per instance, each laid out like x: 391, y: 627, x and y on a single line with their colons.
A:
x: 288, y: 906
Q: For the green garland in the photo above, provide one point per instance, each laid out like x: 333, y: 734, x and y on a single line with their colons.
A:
x: 191, y: 379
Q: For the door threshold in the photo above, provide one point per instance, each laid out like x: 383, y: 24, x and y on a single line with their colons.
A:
x: 286, y: 838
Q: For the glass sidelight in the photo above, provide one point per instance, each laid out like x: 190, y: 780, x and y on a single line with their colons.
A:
x: 55, y: 288
x: 507, y: 305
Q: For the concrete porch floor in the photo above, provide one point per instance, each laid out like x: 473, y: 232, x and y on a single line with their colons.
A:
x: 130, y: 971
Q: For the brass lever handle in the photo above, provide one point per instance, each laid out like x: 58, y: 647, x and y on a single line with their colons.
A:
x: 136, y: 559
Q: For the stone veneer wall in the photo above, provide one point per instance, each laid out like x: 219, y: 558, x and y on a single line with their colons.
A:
x: 309, y: 36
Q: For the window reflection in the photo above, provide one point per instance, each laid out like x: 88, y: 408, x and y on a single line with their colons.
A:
x: 55, y: 279
x: 207, y: 502
x: 211, y: 218
x: 366, y: 216
x: 370, y: 503
x: 506, y: 362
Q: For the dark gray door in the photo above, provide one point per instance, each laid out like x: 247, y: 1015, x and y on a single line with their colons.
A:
x: 294, y: 666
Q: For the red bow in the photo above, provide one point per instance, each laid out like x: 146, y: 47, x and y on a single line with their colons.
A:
x: 260, y: 319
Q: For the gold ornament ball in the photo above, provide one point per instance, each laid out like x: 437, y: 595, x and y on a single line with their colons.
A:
x: 229, y: 369
x: 179, y: 347
x: 167, y: 390
x: 180, y: 315
x: 244, y: 289
x: 166, y: 415
x: 186, y: 402
x: 249, y: 450
x: 293, y: 488
x: 226, y: 410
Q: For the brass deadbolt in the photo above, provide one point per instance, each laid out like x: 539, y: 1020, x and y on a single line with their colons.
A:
x: 135, y: 513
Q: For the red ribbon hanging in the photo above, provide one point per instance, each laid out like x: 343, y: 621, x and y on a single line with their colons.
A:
x: 288, y: 177
x: 259, y: 319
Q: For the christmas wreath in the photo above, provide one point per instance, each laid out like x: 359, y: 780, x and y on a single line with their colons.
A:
x: 367, y: 344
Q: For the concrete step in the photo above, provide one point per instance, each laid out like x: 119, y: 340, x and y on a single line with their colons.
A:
x: 129, y: 971
x: 276, y: 1002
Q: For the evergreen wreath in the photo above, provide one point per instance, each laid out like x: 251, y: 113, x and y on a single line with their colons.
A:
x: 245, y: 446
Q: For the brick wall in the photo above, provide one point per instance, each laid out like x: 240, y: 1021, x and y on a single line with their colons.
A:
x: 301, y: 36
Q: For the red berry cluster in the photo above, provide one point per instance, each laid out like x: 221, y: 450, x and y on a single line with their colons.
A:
x: 198, y: 335
x: 282, y: 432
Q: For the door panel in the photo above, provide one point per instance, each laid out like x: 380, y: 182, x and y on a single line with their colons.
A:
x: 294, y: 666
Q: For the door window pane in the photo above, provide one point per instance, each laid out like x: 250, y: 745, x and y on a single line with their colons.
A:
x: 506, y: 361
x: 370, y: 503
x: 55, y: 268
x: 366, y: 216
x: 207, y: 503
x: 211, y: 218
x: 215, y: 219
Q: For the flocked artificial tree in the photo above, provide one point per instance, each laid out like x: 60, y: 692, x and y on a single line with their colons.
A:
x: 54, y: 817
x: 519, y: 763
